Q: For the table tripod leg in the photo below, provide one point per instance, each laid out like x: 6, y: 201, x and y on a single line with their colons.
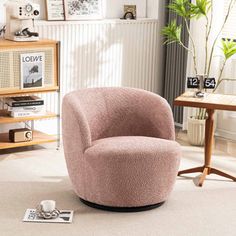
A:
x: 221, y: 173
x: 209, y: 136
x: 192, y: 170
x: 203, y: 177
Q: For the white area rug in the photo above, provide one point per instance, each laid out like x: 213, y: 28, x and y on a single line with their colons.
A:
x: 30, y: 176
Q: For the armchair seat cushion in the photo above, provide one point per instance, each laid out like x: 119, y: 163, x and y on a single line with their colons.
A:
x: 134, y: 147
x: 143, y: 170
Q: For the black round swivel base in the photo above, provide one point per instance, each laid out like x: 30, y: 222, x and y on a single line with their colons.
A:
x: 121, y: 209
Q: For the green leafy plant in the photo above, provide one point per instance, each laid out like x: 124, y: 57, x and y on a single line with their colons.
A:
x: 201, y: 8
x: 182, y: 8
x: 188, y: 10
x: 196, y: 10
x: 228, y: 49
x: 173, y: 33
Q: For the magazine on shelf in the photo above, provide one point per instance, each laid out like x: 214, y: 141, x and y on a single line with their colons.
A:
x: 24, y: 101
x: 65, y: 216
x: 27, y: 113
x: 32, y: 70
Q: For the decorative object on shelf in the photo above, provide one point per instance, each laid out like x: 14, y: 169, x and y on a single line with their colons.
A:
x: 172, y: 32
x: 47, y: 210
x: 55, y: 10
x: 130, y: 10
x: 128, y: 16
x: 20, y: 135
x: 83, y: 9
x: 32, y: 70
x: 19, y: 20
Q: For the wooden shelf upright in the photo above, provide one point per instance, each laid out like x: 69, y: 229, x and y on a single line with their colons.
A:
x: 10, y: 85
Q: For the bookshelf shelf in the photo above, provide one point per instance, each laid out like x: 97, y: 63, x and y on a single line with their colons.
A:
x: 39, y: 138
x: 5, y: 118
x: 10, y: 86
x: 8, y: 93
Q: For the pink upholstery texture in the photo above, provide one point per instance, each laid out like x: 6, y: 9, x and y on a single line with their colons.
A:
x: 119, y: 146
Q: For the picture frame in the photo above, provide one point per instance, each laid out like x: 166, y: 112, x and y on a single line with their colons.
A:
x: 83, y: 9
x: 32, y: 70
x: 130, y: 9
x: 55, y: 10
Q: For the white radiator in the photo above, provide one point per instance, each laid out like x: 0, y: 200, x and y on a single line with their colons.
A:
x: 104, y: 53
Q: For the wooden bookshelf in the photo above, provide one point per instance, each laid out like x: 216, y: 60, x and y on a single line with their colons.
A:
x: 38, y: 138
x: 5, y: 118
x: 10, y: 86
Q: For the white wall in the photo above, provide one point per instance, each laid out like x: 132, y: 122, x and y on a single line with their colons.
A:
x: 112, y: 8
x: 2, y: 12
x: 154, y: 9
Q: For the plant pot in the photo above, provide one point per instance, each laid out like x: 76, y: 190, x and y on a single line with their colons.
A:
x: 196, y: 131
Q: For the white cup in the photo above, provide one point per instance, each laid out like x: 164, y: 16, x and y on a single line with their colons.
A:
x: 48, y: 205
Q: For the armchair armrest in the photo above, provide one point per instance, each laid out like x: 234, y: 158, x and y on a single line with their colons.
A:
x: 75, y: 128
x: 159, y: 115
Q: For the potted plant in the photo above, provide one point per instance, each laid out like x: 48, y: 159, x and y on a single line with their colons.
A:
x: 172, y: 33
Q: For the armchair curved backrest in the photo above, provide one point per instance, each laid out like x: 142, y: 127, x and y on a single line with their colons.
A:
x: 95, y: 113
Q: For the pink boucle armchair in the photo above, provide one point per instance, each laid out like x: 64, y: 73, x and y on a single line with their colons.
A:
x: 119, y: 147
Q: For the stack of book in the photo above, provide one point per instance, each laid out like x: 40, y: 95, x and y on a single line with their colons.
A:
x: 25, y: 106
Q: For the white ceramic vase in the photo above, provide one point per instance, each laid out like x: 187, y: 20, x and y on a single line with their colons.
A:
x: 196, y: 131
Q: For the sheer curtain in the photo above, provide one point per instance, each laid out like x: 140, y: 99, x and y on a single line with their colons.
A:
x: 225, y: 120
